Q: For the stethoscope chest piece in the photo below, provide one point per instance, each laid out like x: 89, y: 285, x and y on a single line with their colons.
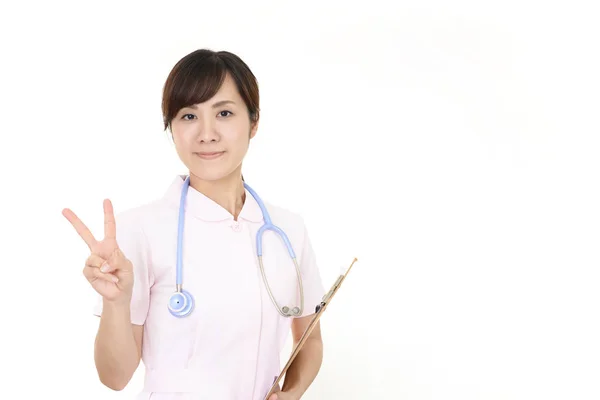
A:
x: 181, y: 304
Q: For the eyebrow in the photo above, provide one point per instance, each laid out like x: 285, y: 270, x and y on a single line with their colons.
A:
x: 216, y: 105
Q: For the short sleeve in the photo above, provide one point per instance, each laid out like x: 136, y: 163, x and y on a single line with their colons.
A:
x: 133, y: 242
x: 311, y: 277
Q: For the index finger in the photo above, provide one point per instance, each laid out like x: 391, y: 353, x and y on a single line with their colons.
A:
x: 80, y: 227
x: 110, y: 226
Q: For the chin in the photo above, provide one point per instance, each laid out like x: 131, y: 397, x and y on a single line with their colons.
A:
x: 211, y: 174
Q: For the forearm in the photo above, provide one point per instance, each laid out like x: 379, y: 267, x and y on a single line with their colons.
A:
x: 116, y: 352
x: 304, y: 368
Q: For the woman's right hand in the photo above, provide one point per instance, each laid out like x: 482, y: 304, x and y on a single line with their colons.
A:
x: 107, y: 269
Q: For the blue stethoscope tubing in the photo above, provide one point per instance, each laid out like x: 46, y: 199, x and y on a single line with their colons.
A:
x: 181, y: 303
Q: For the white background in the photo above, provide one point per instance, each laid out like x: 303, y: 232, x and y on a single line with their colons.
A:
x: 452, y: 147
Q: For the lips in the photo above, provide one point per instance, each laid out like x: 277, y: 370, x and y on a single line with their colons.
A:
x: 209, y: 155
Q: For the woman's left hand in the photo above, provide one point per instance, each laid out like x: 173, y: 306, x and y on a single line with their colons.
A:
x: 282, y: 396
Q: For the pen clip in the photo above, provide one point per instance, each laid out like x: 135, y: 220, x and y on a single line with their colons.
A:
x: 334, y: 288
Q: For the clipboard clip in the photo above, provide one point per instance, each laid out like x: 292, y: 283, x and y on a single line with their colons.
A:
x: 334, y: 288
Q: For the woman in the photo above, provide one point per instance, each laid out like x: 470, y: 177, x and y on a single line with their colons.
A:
x: 205, y: 324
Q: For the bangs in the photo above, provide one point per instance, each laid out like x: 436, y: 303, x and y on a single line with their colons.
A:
x: 194, y: 81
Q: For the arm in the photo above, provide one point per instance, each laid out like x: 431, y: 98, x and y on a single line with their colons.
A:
x: 307, y: 363
x: 118, y: 346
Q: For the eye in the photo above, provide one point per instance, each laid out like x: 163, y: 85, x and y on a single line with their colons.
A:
x: 224, y: 113
x: 186, y: 115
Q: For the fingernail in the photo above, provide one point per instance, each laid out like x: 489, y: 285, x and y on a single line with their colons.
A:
x: 114, y: 279
x: 104, y: 268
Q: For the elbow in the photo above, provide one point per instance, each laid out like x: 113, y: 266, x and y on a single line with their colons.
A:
x: 116, y: 375
x: 115, y: 383
x: 116, y: 386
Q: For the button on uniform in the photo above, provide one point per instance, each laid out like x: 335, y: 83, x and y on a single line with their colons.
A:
x: 236, y: 226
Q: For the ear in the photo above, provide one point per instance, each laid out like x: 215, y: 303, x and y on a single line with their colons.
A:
x: 254, y: 128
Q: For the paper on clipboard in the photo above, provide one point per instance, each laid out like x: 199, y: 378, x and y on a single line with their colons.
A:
x: 320, y: 309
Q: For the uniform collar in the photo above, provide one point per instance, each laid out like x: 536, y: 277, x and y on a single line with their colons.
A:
x: 206, y: 209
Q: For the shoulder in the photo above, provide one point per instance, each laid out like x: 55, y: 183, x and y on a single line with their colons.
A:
x: 136, y: 214
x: 282, y: 215
x: 138, y: 219
x: 292, y: 223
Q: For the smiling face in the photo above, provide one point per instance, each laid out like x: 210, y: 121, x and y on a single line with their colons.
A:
x: 212, y: 137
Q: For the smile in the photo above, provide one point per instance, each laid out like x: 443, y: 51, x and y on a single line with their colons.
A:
x: 211, y: 155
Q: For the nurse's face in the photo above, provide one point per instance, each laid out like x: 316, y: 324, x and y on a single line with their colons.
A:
x: 212, y: 138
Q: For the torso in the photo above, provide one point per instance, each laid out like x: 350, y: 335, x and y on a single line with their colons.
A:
x: 229, y: 346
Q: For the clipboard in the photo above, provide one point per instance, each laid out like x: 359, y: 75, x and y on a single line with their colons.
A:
x: 320, y: 309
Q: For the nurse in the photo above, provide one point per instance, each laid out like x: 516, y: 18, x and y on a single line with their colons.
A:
x: 227, y: 347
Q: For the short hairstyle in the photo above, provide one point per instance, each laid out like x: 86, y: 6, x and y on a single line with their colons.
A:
x: 198, y: 76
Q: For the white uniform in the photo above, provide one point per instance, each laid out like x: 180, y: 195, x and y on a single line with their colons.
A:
x: 229, y: 347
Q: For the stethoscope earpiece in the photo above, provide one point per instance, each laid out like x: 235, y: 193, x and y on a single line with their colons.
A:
x: 286, y: 310
x: 181, y: 304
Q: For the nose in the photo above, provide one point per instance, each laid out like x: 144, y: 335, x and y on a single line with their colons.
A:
x: 207, y: 131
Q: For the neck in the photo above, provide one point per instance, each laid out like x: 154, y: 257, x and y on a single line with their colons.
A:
x: 227, y: 192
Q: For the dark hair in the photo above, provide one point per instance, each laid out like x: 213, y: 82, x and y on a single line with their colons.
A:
x: 198, y: 76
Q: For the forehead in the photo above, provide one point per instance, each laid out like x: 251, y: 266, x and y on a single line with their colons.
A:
x: 227, y: 91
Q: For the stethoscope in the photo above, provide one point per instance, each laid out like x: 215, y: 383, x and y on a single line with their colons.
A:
x: 181, y: 302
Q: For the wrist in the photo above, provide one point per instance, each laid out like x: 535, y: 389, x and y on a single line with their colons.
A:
x: 117, y: 305
x: 292, y: 394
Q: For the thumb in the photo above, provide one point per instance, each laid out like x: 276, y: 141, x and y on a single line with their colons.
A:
x: 274, y: 397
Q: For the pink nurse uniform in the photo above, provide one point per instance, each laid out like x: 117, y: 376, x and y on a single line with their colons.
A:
x: 229, y: 347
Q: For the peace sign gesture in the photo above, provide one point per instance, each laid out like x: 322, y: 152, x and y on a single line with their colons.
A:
x: 107, y: 269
